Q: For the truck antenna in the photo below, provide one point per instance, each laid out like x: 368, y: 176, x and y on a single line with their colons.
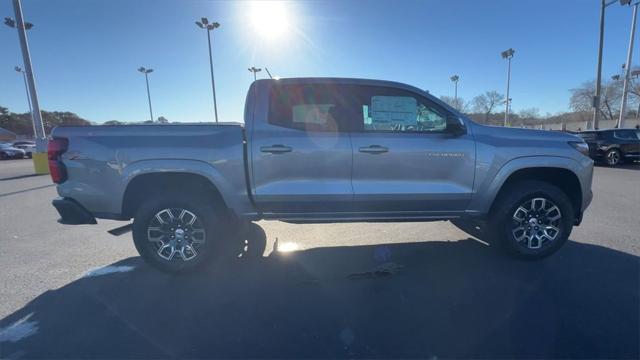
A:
x: 271, y: 77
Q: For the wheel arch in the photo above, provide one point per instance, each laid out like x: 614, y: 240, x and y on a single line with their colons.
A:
x: 563, y: 178
x: 559, y: 171
x: 147, y: 184
x: 144, y: 177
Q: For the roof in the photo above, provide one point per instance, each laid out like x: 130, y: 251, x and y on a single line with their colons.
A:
x: 338, y: 80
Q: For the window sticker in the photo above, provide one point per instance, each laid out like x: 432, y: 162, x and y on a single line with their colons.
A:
x: 390, y: 111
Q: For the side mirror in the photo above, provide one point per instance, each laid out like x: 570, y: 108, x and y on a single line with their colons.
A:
x: 455, y: 126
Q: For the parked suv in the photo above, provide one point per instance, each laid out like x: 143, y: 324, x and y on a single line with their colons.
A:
x: 322, y: 150
x: 613, y: 146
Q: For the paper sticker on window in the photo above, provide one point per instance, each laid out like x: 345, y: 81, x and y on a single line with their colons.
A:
x: 393, y: 110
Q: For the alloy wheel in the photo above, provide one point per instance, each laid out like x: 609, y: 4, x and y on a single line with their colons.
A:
x: 536, y: 223
x: 177, y: 234
x: 613, y: 158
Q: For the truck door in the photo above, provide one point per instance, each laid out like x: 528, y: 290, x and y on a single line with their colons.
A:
x: 410, y: 155
x: 300, y: 154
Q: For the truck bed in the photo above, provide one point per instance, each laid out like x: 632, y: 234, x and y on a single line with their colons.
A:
x: 101, y: 160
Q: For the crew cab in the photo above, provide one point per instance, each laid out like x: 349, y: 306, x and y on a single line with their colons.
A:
x: 322, y: 150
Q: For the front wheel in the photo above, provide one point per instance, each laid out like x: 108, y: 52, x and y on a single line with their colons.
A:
x: 176, y: 234
x: 532, y: 219
x: 613, y: 157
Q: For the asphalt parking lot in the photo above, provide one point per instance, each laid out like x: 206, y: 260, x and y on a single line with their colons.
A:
x: 392, y: 290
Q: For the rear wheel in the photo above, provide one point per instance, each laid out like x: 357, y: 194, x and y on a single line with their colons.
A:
x: 614, y: 157
x: 531, y: 219
x: 177, y: 234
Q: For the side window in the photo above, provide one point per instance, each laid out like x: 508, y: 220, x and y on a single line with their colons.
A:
x: 388, y: 109
x: 309, y: 107
x: 624, y: 135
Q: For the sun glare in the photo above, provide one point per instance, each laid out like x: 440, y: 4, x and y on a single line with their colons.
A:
x: 269, y: 18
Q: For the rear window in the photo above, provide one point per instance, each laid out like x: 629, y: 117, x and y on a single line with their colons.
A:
x: 318, y: 107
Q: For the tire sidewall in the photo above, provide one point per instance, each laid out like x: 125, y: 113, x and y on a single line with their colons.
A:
x: 206, y: 214
x: 502, y: 218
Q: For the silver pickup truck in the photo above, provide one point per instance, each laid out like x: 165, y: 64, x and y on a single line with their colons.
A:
x: 322, y: 150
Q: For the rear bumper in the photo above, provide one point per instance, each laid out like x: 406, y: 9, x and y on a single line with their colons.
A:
x: 72, y: 213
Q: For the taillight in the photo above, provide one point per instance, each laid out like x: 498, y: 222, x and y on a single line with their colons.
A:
x: 57, y: 147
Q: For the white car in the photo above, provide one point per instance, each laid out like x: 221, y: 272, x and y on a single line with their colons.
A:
x: 8, y: 151
x: 29, y: 147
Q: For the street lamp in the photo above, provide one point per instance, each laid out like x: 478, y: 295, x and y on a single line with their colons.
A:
x: 627, y: 75
x: 508, y: 54
x: 204, y: 24
x: 596, y: 98
x: 254, y: 70
x: 455, y: 79
x: 146, y: 73
x: 40, y: 161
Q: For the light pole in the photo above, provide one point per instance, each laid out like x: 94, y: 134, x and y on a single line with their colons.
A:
x: 596, y: 97
x: 254, y: 70
x: 634, y: 75
x: 146, y: 72
x: 40, y: 162
x: 26, y: 89
x: 508, y: 54
x: 204, y: 24
x: 627, y: 70
x: 455, y: 79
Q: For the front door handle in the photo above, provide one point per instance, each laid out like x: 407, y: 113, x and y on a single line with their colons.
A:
x: 276, y: 149
x: 374, y: 149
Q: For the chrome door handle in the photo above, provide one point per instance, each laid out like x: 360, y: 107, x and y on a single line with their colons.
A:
x: 276, y: 149
x: 374, y: 149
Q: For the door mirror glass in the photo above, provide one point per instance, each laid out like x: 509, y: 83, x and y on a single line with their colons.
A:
x: 455, y: 126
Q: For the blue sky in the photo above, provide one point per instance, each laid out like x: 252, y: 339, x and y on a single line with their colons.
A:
x: 86, y: 52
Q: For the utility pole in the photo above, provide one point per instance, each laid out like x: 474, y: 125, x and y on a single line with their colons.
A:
x: 508, y: 54
x: 26, y: 89
x: 254, y: 70
x: 596, y: 97
x: 627, y: 70
x: 40, y: 161
x: 146, y: 77
x: 204, y: 24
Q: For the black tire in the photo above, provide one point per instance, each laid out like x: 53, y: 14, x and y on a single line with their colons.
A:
x: 3, y: 156
x: 501, y: 222
x: 211, y: 220
x: 613, y: 157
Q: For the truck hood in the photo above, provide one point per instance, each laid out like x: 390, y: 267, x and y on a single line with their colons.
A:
x: 523, y: 134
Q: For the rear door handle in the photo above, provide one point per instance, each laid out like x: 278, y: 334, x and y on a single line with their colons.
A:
x: 374, y: 149
x: 276, y: 149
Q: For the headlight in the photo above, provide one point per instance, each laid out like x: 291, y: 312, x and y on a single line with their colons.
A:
x: 581, y: 146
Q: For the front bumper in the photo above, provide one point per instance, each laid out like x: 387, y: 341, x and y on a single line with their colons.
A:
x: 72, y: 213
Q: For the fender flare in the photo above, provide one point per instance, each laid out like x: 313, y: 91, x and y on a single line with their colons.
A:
x: 195, y: 167
x: 486, y: 193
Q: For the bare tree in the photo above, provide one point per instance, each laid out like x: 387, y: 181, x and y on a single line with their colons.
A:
x: 487, y: 102
x: 458, y: 104
x: 530, y: 116
x: 611, y: 94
